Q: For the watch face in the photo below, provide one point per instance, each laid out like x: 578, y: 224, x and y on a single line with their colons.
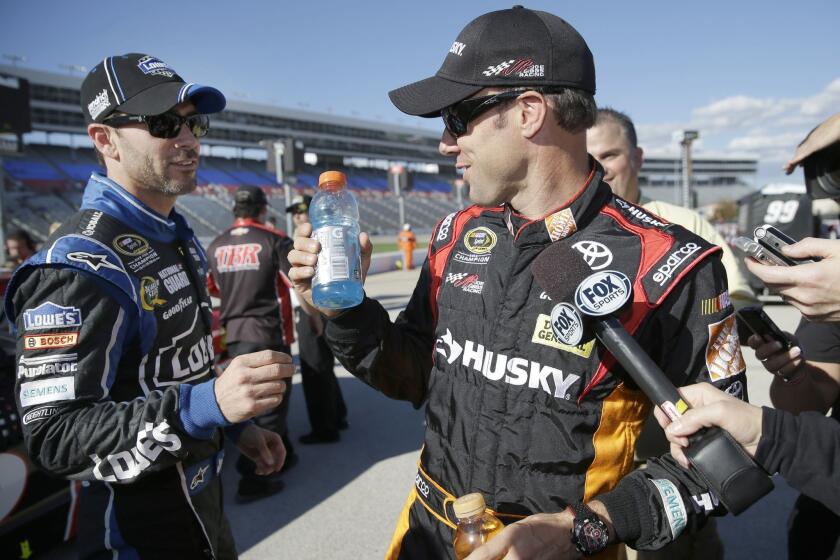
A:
x: 593, y: 534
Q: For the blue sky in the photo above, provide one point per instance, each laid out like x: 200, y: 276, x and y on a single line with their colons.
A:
x: 752, y: 76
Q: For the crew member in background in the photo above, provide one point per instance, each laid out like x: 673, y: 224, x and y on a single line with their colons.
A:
x: 19, y: 247
x: 324, y: 401
x: 248, y: 267
x: 612, y: 141
x: 116, y: 382
x: 407, y: 242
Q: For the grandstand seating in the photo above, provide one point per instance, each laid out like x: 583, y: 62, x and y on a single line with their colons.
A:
x: 45, y: 184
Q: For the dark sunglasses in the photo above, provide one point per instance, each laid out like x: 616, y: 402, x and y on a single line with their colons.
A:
x: 456, y: 117
x: 166, y: 125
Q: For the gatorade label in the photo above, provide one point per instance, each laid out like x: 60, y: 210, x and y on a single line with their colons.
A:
x: 333, y: 263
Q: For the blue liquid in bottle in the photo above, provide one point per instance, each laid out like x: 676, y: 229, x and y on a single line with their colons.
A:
x: 335, y: 224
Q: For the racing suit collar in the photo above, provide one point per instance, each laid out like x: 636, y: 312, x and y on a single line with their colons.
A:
x: 558, y: 224
x: 102, y: 193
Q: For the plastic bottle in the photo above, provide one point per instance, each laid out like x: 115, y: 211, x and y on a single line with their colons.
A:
x: 335, y: 224
x: 476, y: 525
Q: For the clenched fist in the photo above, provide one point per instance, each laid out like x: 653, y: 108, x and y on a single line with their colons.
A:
x: 252, y: 384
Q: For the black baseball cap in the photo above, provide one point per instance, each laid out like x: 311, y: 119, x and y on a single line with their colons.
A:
x: 141, y: 84
x: 250, y: 195
x: 300, y: 204
x: 514, y: 47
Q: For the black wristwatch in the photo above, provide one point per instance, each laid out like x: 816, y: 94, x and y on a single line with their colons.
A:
x: 590, y: 535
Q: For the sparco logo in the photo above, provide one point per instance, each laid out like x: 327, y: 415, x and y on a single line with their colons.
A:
x: 498, y: 367
x: 674, y: 261
x: 596, y: 255
x: 125, y: 465
x: 421, y: 485
x: 603, y: 292
x: 91, y: 225
x: 443, y: 231
x: 566, y: 324
x: 639, y: 214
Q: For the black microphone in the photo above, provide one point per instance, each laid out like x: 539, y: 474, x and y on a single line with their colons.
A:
x: 595, y: 297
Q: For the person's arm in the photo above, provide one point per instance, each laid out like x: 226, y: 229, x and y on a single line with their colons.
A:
x: 815, y: 386
x: 813, y: 288
x: 803, y: 448
x: 810, y: 382
x: 690, y: 341
x: 542, y: 535
x: 825, y: 134
x: 393, y: 357
x: 72, y: 425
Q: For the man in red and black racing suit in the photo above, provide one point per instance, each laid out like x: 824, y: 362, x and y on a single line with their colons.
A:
x: 531, y: 424
x: 512, y: 413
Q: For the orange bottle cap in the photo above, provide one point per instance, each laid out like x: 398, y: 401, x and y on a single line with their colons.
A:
x: 332, y: 179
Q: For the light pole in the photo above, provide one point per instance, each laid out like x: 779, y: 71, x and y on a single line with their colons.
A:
x: 459, y: 192
x: 689, y: 136
x: 71, y: 68
x: 15, y: 58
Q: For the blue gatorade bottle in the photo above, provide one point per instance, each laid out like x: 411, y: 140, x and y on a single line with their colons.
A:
x: 335, y: 224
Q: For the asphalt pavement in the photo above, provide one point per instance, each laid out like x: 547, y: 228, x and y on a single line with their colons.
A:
x: 342, y: 500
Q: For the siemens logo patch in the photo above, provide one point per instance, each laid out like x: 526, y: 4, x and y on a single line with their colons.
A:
x: 673, y: 504
x: 47, y: 390
x: 49, y: 315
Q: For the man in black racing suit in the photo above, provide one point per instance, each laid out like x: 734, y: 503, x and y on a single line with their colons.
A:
x: 115, y: 377
x: 534, y: 425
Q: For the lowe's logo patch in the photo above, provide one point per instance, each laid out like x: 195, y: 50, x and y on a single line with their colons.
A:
x: 49, y: 315
x: 603, y: 292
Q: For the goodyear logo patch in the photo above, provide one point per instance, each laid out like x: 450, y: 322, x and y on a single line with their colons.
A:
x: 545, y: 336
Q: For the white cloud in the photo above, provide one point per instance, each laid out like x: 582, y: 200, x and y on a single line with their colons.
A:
x: 766, y: 128
x: 827, y: 101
